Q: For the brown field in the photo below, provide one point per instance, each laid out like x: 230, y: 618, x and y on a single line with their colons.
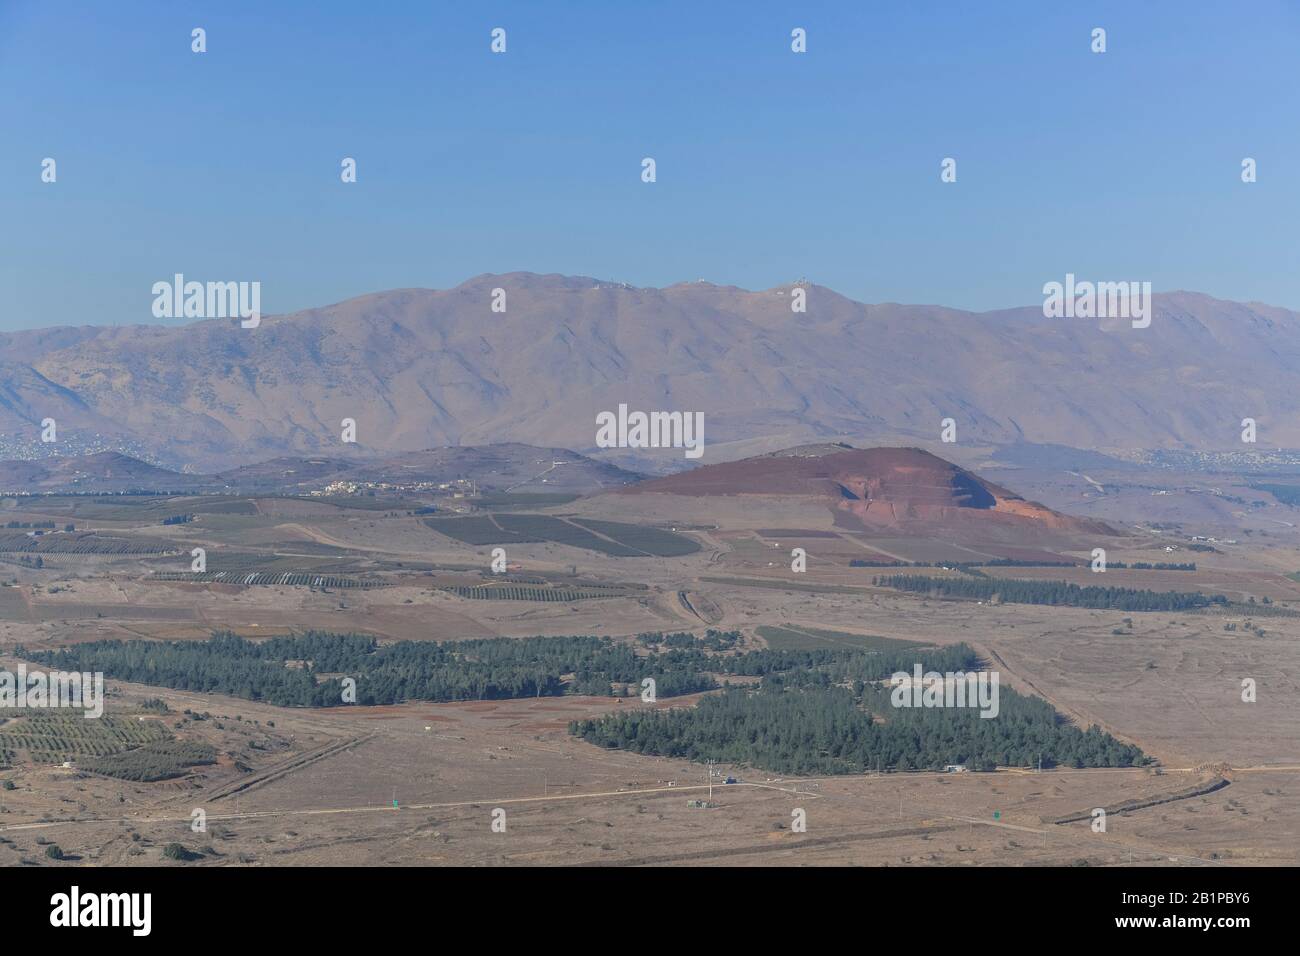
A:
x: 450, y: 765
x: 319, y: 785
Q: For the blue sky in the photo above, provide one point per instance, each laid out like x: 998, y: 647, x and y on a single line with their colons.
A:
x: 771, y: 165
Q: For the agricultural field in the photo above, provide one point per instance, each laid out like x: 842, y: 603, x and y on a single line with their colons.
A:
x: 46, y: 736
x: 607, y: 537
x: 302, y: 579
x: 97, y: 508
x: 929, y: 550
x: 664, y: 544
x: 78, y: 543
x: 216, y: 505
x: 477, y: 531
x: 560, y: 531
x: 525, y: 592
x: 445, y: 760
x: 511, y: 502
x: 151, y: 762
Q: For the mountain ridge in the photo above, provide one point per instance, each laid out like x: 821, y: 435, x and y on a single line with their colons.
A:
x: 491, y: 468
x: 422, y: 368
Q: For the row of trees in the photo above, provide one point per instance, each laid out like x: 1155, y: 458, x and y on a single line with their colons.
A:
x: 1287, y: 494
x: 713, y: 640
x: 309, y: 670
x: 1018, y: 591
x: 161, y: 761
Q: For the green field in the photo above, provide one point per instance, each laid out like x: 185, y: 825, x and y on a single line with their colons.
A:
x: 560, y: 531
x: 128, y: 748
x: 476, y: 531
x: 507, y: 501
x: 158, y: 761
x: 606, y: 537
x: 656, y: 541
x: 53, y: 736
x: 96, y: 507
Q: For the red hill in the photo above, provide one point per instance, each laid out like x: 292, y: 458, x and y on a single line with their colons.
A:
x: 875, y: 488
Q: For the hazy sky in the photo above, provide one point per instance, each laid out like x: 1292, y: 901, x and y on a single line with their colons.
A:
x: 771, y: 165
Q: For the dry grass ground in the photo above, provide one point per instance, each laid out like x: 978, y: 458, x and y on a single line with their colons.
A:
x: 451, y: 765
x: 1168, y: 682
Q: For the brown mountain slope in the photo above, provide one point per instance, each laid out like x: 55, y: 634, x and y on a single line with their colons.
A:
x: 492, y: 468
x: 418, y: 368
x: 99, y: 472
x: 876, y: 489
